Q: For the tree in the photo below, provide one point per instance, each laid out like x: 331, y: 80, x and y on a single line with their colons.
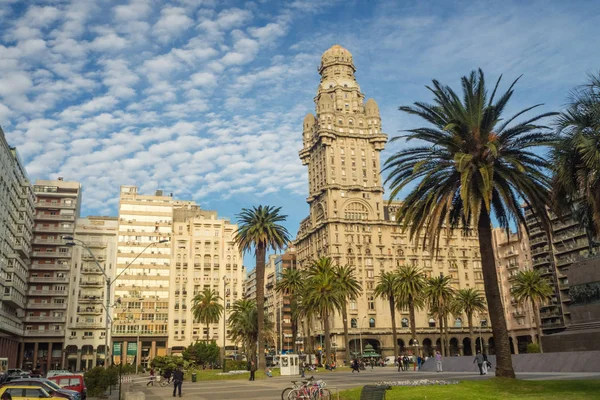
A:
x: 291, y: 283
x: 411, y: 284
x: 323, y: 295
x: 469, y: 301
x: 576, y: 158
x: 387, y: 289
x: 439, y: 294
x: 244, y: 327
x: 259, y: 228
x: 207, y: 308
x: 202, y: 353
x: 531, y: 286
x: 470, y: 163
x: 349, y: 288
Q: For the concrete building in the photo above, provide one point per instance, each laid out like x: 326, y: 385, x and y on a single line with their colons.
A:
x: 56, y: 209
x: 250, y: 280
x: 86, y: 315
x: 204, y: 256
x: 553, y: 258
x: 143, y: 273
x: 16, y: 224
x: 350, y: 221
x: 513, y: 255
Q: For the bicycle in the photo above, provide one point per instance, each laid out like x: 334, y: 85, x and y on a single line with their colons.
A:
x: 309, y: 391
x: 165, y: 382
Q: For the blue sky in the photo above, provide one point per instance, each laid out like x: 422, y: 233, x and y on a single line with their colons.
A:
x: 205, y: 99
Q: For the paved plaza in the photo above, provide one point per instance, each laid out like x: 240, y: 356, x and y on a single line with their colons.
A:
x: 267, y: 389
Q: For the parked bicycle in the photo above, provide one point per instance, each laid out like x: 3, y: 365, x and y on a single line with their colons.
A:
x: 307, y: 390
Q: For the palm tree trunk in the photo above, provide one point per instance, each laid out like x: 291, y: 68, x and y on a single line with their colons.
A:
x: 394, y: 333
x: 538, y: 324
x: 446, y: 341
x: 442, y: 347
x: 346, y: 334
x: 327, y: 339
x: 294, y: 311
x: 411, y: 315
x: 308, y: 344
x: 207, y: 335
x: 471, y: 333
x: 260, y: 302
x: 504, y: 366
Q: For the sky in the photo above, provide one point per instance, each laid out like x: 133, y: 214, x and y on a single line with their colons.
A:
x: 205, y: 99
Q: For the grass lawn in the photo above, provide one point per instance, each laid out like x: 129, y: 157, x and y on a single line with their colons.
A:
x: 213, y: 375
x: 493, y: 389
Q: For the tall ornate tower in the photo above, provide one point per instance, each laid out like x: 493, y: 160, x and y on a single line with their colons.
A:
x: 342, y: 145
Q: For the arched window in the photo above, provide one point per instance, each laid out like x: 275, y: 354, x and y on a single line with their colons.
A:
x: 372, y: 323
x: 353, y: 323
x: 405, y: 322
x: 356, y: 211
x: 431, y: 323
x: 458, y: 322
x: 350, y: 122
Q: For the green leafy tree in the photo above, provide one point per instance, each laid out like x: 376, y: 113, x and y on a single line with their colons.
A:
x: 530, y: 286
x: 291, y: 283
x: 349, y: 288
x: 387, y: 289
x: 411, y: 286
x: 323, y: 295
x: 244, y: 327
x: 471, y: 162
x: 201, y: 353
x: 440, y: 294
x: 576, y: 158
x: 469, y: 301
x: 260, y: 229
x: 207, y: 308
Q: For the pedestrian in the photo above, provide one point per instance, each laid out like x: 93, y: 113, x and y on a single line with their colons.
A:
x: 303, y: 369
x: 268, y: 372
x: 486, y: 364
x: 151, y: 381
x: 355, y: 366
x: 372, y: 363
x: 177, y: 381
x: 406, y: 362
x: 399, y: 362
x: 252, y: 370
x: 479, y: 359
x: 438, y: 361
x: 167, y: 375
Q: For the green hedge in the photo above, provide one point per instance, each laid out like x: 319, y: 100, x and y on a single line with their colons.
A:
x: 235, y: 365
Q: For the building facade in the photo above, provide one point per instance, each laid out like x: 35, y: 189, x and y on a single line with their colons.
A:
x: 16, y: 234
x: 350, y: 221
x: 250, y: 280
x: 205, y: 256
x: 85, y: 338
x: 513, y: 255
x: 278, y: 306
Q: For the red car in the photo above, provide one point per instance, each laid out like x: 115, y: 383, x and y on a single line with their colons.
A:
x: 71, y: 382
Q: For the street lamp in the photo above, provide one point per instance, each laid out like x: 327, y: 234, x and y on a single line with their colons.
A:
x: 224, y: 317
x: 360, y: 335
x: 109, y: 283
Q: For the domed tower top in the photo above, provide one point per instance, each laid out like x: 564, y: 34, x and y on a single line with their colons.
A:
x: 336, y: 55
x: 371, y: 108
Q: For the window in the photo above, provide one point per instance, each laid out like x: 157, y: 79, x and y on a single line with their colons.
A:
x: 458, y: 323
x: 353, y: 323
x: 372, y: 323
x: 405, y: 322
x: 431, y: 323
x: 371, y: 301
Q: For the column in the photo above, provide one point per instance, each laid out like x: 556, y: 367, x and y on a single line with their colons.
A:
x: 124, y: 352
x: 35, y: 354
x: 153, y: 350
x: 63, y: 364
x: 49, y: 357
x: 78, y: 365
x: 515, y: 344
x: 461, y: 349
x: 95, y: 357
x: 21, y: 360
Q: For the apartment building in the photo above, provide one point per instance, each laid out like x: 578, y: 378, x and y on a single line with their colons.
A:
x: 513, y: 255
x: 278, y: 307
x: 250, y: 280
x: 205, y: 256
x: 85, y: 339
x: 143, y: 275
x: 350, y: 221
x: 16, y: 224
x: 56, y: 208
x: 553, y: 257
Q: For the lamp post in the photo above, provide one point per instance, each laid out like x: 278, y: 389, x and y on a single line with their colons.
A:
x: 224, y: 318
x: 109, y: 282
x: 360, y: 334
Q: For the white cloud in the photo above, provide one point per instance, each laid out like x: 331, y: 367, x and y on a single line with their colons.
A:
x: 135, y: 9
x: 172, y: 23
x: 108, y: 41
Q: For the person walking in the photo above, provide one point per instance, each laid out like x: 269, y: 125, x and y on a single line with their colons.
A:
x: 486, y: 364
x: 479, y: 359
x: 406, y: 362
x: 252, y: 370
x: 177, y: 381
x: 438, y: 361
x: 151, y: 381
x: 399, y: 361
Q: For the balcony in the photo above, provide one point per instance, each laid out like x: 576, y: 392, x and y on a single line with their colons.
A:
x: 49, y: 241
x: 541, y: 261
x: 512, y: 266
x: 52, y: 217
x: 58, y: 205
x: 89, y: 311
x: 52, y: 254
x: 552, y: 324
x: 564, y: 261
x: 37, y: 333
x: 539, y: 250
x: 50, y: 267
x: 91, y: 283
x: 51, y: 279
x: 48, y: 292
x: 90, y: 299
x: 52, y: 229
x: 44, y: 318
x: 96, y: 325
x: 537, y: 241
x: 518, y: 314
x: 94, y: 270
x: 46, y: 306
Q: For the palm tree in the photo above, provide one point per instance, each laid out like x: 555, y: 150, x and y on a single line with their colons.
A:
x: 349, y: 288
x: 576, y: 157
x: 207, y: 308
x: 469, y: 301
x: 472, y: 162
x: 439, y: 294
x: 411, y: 284
x: 530, y: 285
x: 243, y: 325
x: 291, y: 283
x: 323, y: 295
x: 387, y: 289
x: 259, y: 228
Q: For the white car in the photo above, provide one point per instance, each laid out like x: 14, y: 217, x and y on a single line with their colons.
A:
x: 58, y: 372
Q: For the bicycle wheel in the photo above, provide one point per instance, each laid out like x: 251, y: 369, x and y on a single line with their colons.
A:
x: 324, y: 394
x: 285, y: 393
x: 295, y: 394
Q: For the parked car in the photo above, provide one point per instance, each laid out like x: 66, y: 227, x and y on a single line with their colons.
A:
x: 16, y: 371
x: 58, y: 372
x: 11, y: 378
x: 51, y: 387
x: 72, y: 382
x: 26, y: 392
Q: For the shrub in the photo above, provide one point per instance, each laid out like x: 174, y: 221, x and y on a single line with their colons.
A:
x: 533, y: 348
x: 97, y: 380
x: 235, y: 365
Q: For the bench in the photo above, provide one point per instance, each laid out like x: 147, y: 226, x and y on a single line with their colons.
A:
x: 374, y: 392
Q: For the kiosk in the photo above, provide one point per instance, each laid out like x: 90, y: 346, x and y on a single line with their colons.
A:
x: 290, y: 364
